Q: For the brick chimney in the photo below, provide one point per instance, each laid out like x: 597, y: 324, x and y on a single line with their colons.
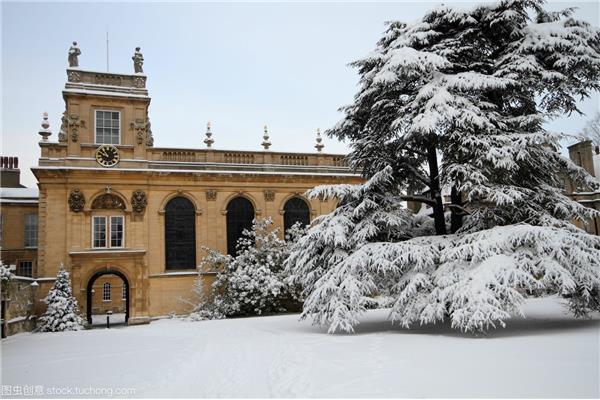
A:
x: 10, y: 175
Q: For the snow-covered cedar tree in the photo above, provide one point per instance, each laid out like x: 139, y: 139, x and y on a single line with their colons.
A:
x: 252, y: 283
x: 62, y: 313
x: 457, y: 101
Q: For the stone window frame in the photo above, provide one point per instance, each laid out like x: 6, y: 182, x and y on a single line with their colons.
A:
x: 96, y: 110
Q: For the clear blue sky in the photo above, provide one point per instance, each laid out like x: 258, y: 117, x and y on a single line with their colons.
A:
x: 239, y: 65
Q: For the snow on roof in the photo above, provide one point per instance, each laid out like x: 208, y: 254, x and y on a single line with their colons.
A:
x: 106, y: 93
x: 19, y: 193
x: 597, y: 166
x: 199, y: 171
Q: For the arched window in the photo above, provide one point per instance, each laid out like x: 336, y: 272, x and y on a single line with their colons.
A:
x: 295, y: 210
x: 240, y: 213
x: 180, y: 234
x: 106, y: 292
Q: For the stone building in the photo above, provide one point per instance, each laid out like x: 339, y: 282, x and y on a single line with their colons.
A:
x: 586, y: 156
x: 111, y: 203
x: 18, y: 246
x: 19, y: 218
x: 129, y: 220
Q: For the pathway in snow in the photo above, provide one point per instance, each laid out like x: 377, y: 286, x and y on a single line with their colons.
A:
x: 548, y: 355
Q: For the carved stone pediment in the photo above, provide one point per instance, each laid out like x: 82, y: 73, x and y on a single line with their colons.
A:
x: 76, y: 200
x: 108, y: 201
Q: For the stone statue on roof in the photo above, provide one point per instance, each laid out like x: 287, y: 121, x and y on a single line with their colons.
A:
x: 138, y: 61
x: 74, y: 52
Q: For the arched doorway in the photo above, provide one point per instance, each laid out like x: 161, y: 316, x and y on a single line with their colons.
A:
x: 295, y: 210
x: 180, y: 234
x: 120, y: 293
x: 240, y: 213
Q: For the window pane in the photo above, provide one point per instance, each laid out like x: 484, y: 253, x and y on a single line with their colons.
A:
x: 25, y: 269
x: 295, y: 210
x: 99, y: 229
x: 31, y: 230
x: 106, y: 292
x: 180, y: 234
x: 240, y: 213
x: 107, y: 127
x: 116, y: 231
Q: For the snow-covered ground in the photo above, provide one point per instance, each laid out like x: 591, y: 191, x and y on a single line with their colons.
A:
x: 548, y: 355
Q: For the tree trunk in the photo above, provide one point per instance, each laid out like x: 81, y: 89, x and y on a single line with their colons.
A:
x: 456, y: 216
x: 436, y: 193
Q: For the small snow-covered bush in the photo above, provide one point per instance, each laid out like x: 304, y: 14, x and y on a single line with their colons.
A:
x: 5, y: 277
x: 253, y: 282
x: 62, y: 313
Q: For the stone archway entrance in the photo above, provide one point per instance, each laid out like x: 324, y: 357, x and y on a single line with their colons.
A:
x: 90, y: 292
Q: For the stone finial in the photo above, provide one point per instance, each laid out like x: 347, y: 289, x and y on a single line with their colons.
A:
x: 319, y: 146
x: 209, y: 140
x: 138, y: 61
x: 266, y: 143
x: 74, y: 53
x: 45, y: 132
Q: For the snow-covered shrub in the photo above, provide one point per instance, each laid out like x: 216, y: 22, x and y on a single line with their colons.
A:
x: 5, y: 277
x: 206, y: 306
x: 252, y: 283
x: 62, y: 313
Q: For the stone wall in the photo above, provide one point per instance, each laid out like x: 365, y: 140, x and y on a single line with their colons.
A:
x: 18, y: 304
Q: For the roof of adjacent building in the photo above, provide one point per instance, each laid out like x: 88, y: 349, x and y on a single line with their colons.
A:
x: 19, y: 195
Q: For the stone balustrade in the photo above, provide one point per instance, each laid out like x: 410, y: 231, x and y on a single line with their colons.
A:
x: 246, y: 157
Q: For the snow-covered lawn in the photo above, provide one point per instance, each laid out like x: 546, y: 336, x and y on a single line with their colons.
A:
x: 548, y: 355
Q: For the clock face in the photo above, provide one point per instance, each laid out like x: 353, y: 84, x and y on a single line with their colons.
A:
x: 107, y: 155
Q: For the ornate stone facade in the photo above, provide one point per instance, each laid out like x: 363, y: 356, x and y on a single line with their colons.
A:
x: 130, y: 219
